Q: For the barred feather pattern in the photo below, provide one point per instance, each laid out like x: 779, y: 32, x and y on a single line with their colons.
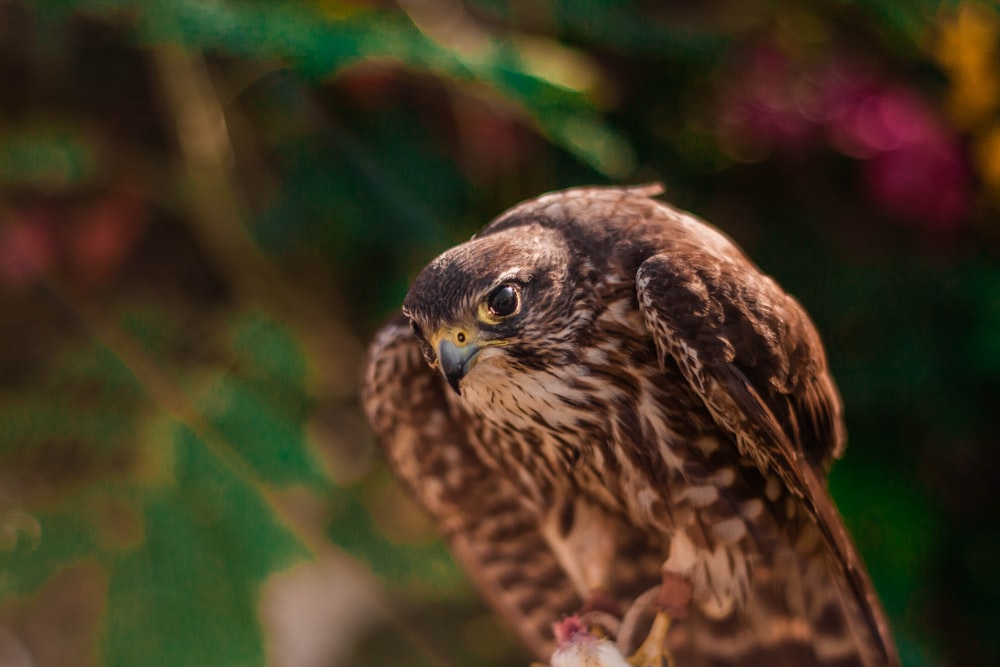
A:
x: 659, y: 406
x: 490, y: 531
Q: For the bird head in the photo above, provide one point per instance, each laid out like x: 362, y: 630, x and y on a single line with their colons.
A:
x: 496, y: 301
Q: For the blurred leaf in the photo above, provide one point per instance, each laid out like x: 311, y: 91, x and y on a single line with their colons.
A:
x: 906, y: 22
x: 210, y: 542
x: 45, y: 156
x: 634, y: 27
x: 320, y: 47
x: 375, y: 193
x: 176, y: 514
x: 260, y: 406
x: 405, y: 562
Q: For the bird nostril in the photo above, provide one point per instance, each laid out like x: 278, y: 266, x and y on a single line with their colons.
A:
x: 460, y: 337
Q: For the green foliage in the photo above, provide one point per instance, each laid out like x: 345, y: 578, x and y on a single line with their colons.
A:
x: 58, y: 156
x: 187, y: 281
x: 182, y: 531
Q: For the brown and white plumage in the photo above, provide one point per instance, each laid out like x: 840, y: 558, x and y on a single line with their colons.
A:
x: 632, y: 398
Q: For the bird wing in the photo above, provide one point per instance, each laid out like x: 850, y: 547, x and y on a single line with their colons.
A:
x: 753, y: 356
x: 487, y: 527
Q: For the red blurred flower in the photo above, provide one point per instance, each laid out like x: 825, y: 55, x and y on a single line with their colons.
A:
x: 89, y: 243
x: 102, y: 236
x: 766, y: 103
x: 913, y: 164
x: 26, y: 248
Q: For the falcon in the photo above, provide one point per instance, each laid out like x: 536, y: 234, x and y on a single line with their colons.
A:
x: 613, y: 415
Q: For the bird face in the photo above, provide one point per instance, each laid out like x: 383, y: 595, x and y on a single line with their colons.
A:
x: 485, y: 302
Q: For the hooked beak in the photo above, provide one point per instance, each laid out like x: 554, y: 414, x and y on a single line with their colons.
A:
x: 456, y: 361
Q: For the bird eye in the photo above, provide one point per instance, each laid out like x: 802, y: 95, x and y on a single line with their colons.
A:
x: 503, y: 301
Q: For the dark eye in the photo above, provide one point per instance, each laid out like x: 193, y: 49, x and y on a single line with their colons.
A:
x: 503, y: 301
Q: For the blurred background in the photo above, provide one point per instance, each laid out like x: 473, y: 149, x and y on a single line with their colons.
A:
x: 208, y: 206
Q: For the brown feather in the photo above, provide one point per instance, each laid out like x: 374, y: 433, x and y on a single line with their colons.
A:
x: 720, y: 368
x: 656, y: 402
x: 485, y: 525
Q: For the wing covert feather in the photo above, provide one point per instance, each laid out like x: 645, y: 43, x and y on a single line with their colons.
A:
x: 752, y: 354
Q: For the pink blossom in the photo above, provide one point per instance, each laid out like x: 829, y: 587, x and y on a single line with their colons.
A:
x: 26, y: 249
x: 912, y: 162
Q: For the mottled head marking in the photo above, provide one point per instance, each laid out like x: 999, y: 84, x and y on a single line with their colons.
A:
x: 450, y: 293
x: 451, y: 286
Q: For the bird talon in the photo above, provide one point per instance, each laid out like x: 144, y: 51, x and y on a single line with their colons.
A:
x: 653, y: 652
x: 601, y: 623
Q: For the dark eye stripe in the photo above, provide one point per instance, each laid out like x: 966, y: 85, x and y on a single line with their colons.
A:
x: 417, y: 331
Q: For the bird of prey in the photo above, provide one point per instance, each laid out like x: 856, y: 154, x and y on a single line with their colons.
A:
x: 610, y: 410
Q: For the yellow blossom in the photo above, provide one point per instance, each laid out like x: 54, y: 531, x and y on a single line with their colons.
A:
x: 987, y: 155
x: 967, y: 50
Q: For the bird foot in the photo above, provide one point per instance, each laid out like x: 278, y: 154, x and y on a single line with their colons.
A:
x: 601, y: 613
x: 675, y: 595
x: 601, y: 623
x: 654, y: 652
x: 655, y: 609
